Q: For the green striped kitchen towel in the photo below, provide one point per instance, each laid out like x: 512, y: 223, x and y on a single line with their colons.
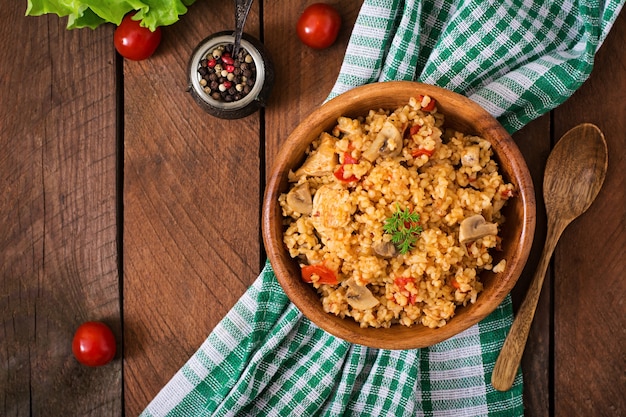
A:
x: 518, y: 59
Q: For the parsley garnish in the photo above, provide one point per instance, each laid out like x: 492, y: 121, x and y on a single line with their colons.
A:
x: 404, y: 227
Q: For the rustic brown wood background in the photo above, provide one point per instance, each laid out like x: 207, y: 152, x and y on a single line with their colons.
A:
x: 121, y: 201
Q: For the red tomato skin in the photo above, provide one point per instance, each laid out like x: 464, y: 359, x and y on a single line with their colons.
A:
x: 318, y: 25
x: 430, y: 106
x: 419, y: 152
x: 339, y: 174
x: 347, y: 160
x: 327, y: 275
x: 93, y: 344
x: 135, y: 42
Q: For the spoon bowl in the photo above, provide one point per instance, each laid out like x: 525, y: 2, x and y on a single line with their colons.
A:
x: 575, y: 172
x: 573, y: 177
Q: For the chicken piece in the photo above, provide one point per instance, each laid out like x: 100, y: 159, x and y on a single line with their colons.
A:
x: 470, y: 156
x: 347, y: 127
x: 321, y: 161
x: 332, y: 207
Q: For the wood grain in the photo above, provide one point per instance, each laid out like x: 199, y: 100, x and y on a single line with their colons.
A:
x: 192, y: 190
x: 21, y: 212
x: 59, y: 262
x: 589, y: 332
x: 573, y: 176
x: 189, y: 211
x: 304, y: 76
x: 535, y: 144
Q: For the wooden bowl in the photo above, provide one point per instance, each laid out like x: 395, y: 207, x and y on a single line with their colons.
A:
x: 465, y: 116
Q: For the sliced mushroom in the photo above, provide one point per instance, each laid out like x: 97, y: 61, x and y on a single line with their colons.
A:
x: 322, y: 161
x: 475, y: 227
x: 332, y: 207
x: 388, y: 143
x: 359, y: 297
x: 470, y: 156
x: 299, y: 199
x: 385, y: 249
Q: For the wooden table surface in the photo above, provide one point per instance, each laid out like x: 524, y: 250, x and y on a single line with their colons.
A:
x: 122, y: 201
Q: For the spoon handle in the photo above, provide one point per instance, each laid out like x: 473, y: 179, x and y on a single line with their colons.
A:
x: 511, y: 354
x: 242, y: 8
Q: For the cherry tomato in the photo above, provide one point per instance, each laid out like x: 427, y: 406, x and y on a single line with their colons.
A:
x: 93, y: 344
x: 318, y: 25
x: 135, y: 42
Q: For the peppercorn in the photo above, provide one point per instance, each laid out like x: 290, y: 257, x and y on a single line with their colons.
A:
x: 228, y: 78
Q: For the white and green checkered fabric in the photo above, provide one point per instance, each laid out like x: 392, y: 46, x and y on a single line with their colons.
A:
x: 518, y: 59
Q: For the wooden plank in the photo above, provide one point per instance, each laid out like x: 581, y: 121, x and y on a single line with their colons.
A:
x: 59, y: 262
x: 590, y: 260
x: 192, y: 193
x: 304, y: 76
x: 21, y: 205
x: 534, y: 142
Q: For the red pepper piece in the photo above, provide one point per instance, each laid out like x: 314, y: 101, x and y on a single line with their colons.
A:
x: 339, y: 174
x: 430, y: 106
x: 347, y: 160
x: 506, y: 194
x: 401, y: 282
x: 420, y: 151
x: 325, y: 274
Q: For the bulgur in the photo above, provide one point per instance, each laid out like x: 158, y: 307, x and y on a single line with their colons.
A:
x: 356, y: 177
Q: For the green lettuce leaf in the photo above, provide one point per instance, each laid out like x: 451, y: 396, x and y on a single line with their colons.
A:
x: 93, y: 13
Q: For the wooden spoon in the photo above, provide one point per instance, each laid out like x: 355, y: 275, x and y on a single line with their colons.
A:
x: 573, y: 177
